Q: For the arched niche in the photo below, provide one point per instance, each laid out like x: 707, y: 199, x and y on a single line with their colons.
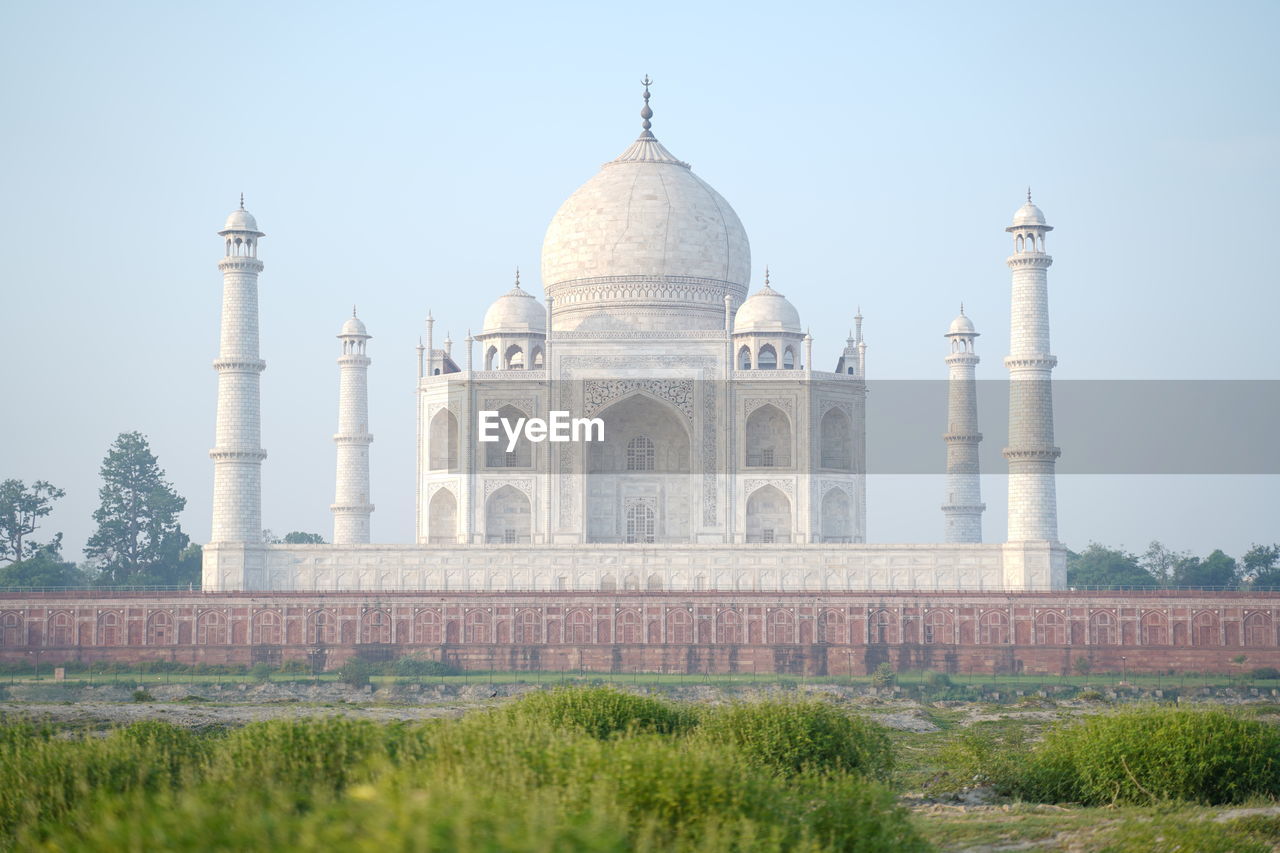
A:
x: 508, y: 517
x: 442, y: 441
x: 768, y: 516
x: 442, y: 518
x: 768, y: 438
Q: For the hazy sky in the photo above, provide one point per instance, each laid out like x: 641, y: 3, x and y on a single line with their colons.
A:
x: 407, y: 157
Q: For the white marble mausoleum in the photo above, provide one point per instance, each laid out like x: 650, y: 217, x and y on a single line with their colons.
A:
x: 729, y: 460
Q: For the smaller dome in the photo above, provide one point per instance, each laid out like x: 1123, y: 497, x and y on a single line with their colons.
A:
x: 241, y: 220
x: 766, y: 310
x: 516, y: 310
x: 353, y: 327
x: 962, y: 325
x: 1029, y: 214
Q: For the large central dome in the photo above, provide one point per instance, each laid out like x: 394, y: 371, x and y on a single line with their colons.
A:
x: 645, y: 244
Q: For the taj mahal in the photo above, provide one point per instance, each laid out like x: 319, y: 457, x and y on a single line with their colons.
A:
x: 728, y: 460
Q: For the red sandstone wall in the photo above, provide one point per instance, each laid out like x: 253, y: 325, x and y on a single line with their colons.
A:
x: 803, y: 633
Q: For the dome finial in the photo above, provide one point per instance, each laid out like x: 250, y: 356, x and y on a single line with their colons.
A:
x: 517, y: 276
x: 646, y: 113
x: 353, y: 310
x: 766, y: 275
x: 961, y: 309
x: 1028, y: 195
x: 242, y: 201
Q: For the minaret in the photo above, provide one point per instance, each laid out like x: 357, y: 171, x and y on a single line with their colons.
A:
x: 237, y: 453
x: 351, y: 505
x: 1033, y: 503
x: 964, y: 506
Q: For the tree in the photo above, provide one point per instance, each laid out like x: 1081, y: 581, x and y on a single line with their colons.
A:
x: 297, y: 537
x: 45, y: 568
x: 1160, y: 562
x: 1217, y: 569
x: 1099, y: 565
x: 21, y: 509
x: 1262, y: 565
x: 139, y: 539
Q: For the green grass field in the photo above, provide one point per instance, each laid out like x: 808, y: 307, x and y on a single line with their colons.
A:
x: 596, y: 768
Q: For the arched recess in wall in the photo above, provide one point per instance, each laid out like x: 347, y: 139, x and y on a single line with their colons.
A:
x: 442, y: 441
x: 837, y: 516
x: 496, y: 455
x: 836, y: 440
x: 768, y: 516
x: 768, y: 438
x: 442, y: 518
x: 508, y: 517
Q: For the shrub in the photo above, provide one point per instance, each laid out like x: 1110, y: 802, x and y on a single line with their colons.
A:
x: 1267, y: 672
x: 979, y: 755
x: 790, y: 736
x: 1147, y: 755
x: 884, y: 676
x: 1090, y: 696
x: 295, y: 667
x: 355, y: 672
x: 600, y: 711
x: 261, y: 672
x: 143, y: 695
x: 537, y: 775
x: 938, y: 680
x: 418, y: 667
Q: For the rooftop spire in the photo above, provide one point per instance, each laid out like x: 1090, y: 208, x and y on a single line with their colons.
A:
x: 517, y: 276
x: 961, y: 309
x: 1028, y: 195
x: 242, y: 201
x: 353, y: 310
x: 646, y: 113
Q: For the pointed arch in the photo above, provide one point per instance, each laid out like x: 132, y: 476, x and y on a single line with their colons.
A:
x: 528, y: 627
x: 1051, y: 629
x: 744, y: 358
x: 883, y: 627
x: 837, y: 516
x: 768, y: 516
x: 767, y: 358
x: 729, y: 628
x: 61, y: 628
x: 442, y: 518
x: 939, y: 627
x: 781, y: 627
x: 1205, y: 630
x: 375, y: 626
x: 1155, y: 629
x: 1257, y: 629
x: 508, y: 517
x: 266, y: 628
x: 629, y: 627
x: 993, y: 628
x: 679, y: 627
x: 211, y: 628
x: 476, y: 626
x: 1102, y: 628
x: 442, y: 441
x: 496, y: 454
x: 836, y: 440
x: 322, y: 628
x: 577, y: 627
x: 832, y: 627
x: 768, y: 438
